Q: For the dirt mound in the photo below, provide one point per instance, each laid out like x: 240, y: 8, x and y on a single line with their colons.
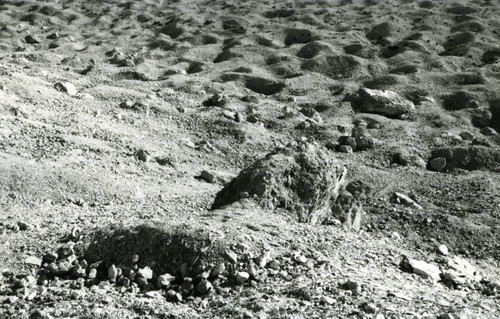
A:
x: 166, y: 246
x: 301, y: 177
x: 336, y: 66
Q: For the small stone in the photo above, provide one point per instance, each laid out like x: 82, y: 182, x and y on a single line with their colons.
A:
x: 112, y: 273
x: 242, y: 277
x: 143, y: 155
x: 32, y: 260
x: 327, y: 300
x: 146, y: 273
x: 187, y: 287
x: 92, y: 273
x: 437, y: 164
x: 447, y: 316
x: 23, y: 225
x: 405, y: 200
x: 443, y: 250
x: 467, y: 136
x: 66, y: 250
x: 165, y: 280
x: 174, y: 296
x: 53, y: 36
x: 425, y: 269
x: 66, y: 87
x: 218, y: 270
x: 32, y: 39
x: 345, y: 149
x: 204, y: 286
x: 207, y: 176
x: 233, y: 257
x: 127, y: 104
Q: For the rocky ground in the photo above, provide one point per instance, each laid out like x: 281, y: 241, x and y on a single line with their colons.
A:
x: 249, y: 159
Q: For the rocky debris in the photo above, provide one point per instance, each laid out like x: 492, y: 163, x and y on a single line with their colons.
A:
x: 32, y: 39
x: 386, y: 103
x: 421, y: 268
x: 437, y: 164
x: 405, y: 158
x: 472, y: 157
x: 216, y: 100
x: 66, y: 87
x: 460, y: 273
x: 443, y: 250
x: 403, y: 199
x: 360, y: 139
x: 300, y: 177
x: 143, y: 155
x: 488, y: 131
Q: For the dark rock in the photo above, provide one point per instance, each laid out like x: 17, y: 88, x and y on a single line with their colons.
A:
x: 380, y: 31
x: 298, y: 36
x: 31, y: 39
x: 470, y: 158
x: 460, y: 100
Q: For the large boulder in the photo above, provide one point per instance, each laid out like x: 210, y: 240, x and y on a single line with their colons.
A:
x: 301, y: 177
x: 386, y: 103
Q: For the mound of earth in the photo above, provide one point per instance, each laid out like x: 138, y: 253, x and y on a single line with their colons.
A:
x: 301, y: 177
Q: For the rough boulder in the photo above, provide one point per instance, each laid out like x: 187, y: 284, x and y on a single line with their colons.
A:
x: 301, y: 177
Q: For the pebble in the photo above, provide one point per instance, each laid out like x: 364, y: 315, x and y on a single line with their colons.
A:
x: 66, y: 87
x: 437, y: 164
x: 242, y: 277
x: 112, y: 273
x: 165, y: 280
x: 32, y: 39
x: 327, y: 300
x: 218, y: 270
x: 146, y: 273
x: 443, y: 250
x: 204, y: 286
x: 207, y: 176
x: 32, y: 260
x: 233, y: 257
x: 345, y: 149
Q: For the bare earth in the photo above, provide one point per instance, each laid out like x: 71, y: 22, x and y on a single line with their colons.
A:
x: 111, y: 110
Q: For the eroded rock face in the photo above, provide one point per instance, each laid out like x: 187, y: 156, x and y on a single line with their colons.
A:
x: 386, y: 103
x: 300, y: 177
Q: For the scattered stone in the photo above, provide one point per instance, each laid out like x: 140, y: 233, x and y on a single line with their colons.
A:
x: 352, y: 286
x: 53, y: 36
x: 242, y: 277
x: 165, y: 280
x: 146, y: 273
x: 32, y: 260
x: 218, y: 270
x: 216, y: 100
x: 345, y: 149
x: 443, y: 250
x: 143, y: 155
x: 386, y: 103
x: 421, y: 268
x: 437, y: 164
x: 204, y: 286
x: 405, y: 200
x: 471, y: 157
x: 66, y: 87
x: 32, y: 39
x: 207, y: 176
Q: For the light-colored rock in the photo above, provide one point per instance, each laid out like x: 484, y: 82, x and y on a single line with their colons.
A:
x: 443, y: 250
x: 218, y: 270
x: 242, y: 277
x: 146, y: 273
x: 112, y: 273
x: 425, y: 269
x: 66, y: 87
x: 32, y: 260
x: 165, y: 280
x: 406, y: 200
x: 382, y: 102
